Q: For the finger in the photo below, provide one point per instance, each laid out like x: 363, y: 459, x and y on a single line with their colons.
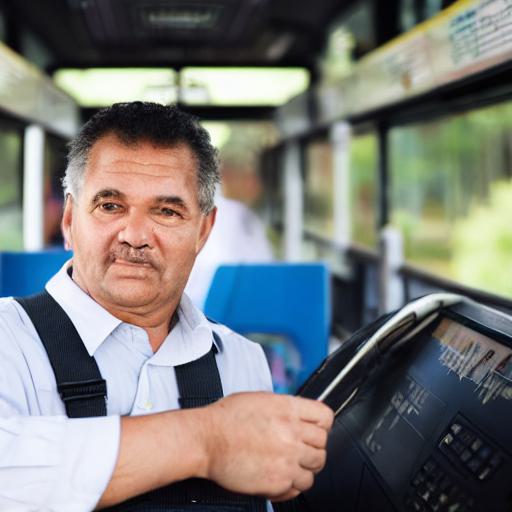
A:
x: 303, y: 481
x: 288, y: 495
x: 312, y: 459
x: 313, y: 435
x: 315, y: 412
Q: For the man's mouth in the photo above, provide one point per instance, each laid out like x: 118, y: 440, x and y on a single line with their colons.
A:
x: 131, y: 258
x: 128, y: 263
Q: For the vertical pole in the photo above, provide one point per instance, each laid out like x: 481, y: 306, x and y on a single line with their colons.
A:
x: 33, y: 188
x: 340, y: 140
x: 383, y: 176
x: 293, y: 202
x: 391, y: 286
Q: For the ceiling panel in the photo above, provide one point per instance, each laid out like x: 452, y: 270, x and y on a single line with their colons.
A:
x: 175, y: 33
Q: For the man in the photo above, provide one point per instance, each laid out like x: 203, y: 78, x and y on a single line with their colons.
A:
x: 139, y: 207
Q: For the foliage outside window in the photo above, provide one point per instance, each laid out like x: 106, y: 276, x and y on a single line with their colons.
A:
x: 11, y: 217
x: 451, y: 193
x: 319, y: 188
x: 363, y: 189
x: 272, y: 208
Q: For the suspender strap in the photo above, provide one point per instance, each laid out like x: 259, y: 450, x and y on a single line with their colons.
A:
x: 79, y: 381
x: 199, y: 384
x: 194, y: 495
x: 84, y: 394
x: 199, y: 381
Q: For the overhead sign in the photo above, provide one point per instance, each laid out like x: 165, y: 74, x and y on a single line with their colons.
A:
x: 466, y: 38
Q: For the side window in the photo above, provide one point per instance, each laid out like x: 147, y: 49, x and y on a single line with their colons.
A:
x: 451, y: 195
x: 11, y: 187
x: 363, y: 189
x: 319, y: 188
x: 54, y: 167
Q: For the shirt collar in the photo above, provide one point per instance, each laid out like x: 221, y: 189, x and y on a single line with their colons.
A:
x: 190, y: 338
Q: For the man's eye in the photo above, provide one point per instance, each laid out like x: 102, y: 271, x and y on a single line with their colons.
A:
x: 168, y: 212
x: 110, y: 207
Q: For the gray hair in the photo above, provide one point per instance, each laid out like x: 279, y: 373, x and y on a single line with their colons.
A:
x: 163, y: 126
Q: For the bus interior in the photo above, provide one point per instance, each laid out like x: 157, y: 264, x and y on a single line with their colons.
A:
x: 373, y: 140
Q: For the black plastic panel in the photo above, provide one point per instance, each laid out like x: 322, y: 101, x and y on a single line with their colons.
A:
x: 431, y: 428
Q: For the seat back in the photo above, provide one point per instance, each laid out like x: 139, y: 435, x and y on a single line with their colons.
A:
x: 292, y: 300
x: 25, y: 273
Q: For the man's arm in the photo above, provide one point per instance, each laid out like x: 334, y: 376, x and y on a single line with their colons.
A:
x: 55, y: 463
x: 252, y: 443
x: 47, y: 461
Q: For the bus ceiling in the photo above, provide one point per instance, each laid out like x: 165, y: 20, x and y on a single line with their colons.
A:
x: 91, y: 33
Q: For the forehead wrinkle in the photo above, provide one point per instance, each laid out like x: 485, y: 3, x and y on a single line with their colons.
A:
x: 136, y: 162
x: 131, y: 168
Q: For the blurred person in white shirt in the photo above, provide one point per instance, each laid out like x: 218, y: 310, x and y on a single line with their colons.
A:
x: 238, y: 236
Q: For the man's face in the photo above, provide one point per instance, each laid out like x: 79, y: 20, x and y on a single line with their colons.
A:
x: 136, y: 227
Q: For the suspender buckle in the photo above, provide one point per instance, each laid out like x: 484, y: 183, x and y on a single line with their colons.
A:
x: 82, y: 390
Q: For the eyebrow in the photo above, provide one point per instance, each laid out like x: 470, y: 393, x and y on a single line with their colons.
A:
x: 174, y: 200
x: 107, y: 193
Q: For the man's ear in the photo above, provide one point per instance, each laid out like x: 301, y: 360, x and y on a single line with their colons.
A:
x: 66, y: 223
x: 207, y: 222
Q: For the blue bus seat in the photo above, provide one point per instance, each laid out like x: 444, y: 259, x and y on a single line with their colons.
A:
x: 25, y: 273
x: 288, y: 299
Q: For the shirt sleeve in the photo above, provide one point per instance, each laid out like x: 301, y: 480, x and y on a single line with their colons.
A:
x: 48, y: 463
x: 55, y: 463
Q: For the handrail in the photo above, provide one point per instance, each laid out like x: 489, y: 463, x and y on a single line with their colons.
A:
x: 408, y: 271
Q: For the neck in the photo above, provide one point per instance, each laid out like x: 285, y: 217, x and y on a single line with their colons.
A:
x: 157, y: 324
x: 156, y: 329
x: 158, y: 334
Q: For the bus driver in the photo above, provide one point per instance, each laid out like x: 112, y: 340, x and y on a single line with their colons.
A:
x: 115, y: 345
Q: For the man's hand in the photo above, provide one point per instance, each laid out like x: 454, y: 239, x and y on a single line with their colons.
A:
x: 266, y: 444
x: 251, y: 443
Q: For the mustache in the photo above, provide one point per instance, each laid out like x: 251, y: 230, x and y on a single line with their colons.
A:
x: 132, y: 255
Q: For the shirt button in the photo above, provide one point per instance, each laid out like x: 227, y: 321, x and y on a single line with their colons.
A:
x: 148, y: 406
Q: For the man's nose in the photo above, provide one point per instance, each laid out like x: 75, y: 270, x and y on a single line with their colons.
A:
x: 136, y: 230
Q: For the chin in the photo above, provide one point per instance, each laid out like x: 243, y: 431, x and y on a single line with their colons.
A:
x: 131, y: 294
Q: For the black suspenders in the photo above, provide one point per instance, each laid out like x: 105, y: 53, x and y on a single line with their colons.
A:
x: 84, y: 393
x: 79, y: 381
x: 199, y: 381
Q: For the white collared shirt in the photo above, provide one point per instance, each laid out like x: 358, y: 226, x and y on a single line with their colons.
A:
x: 51, y: 463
